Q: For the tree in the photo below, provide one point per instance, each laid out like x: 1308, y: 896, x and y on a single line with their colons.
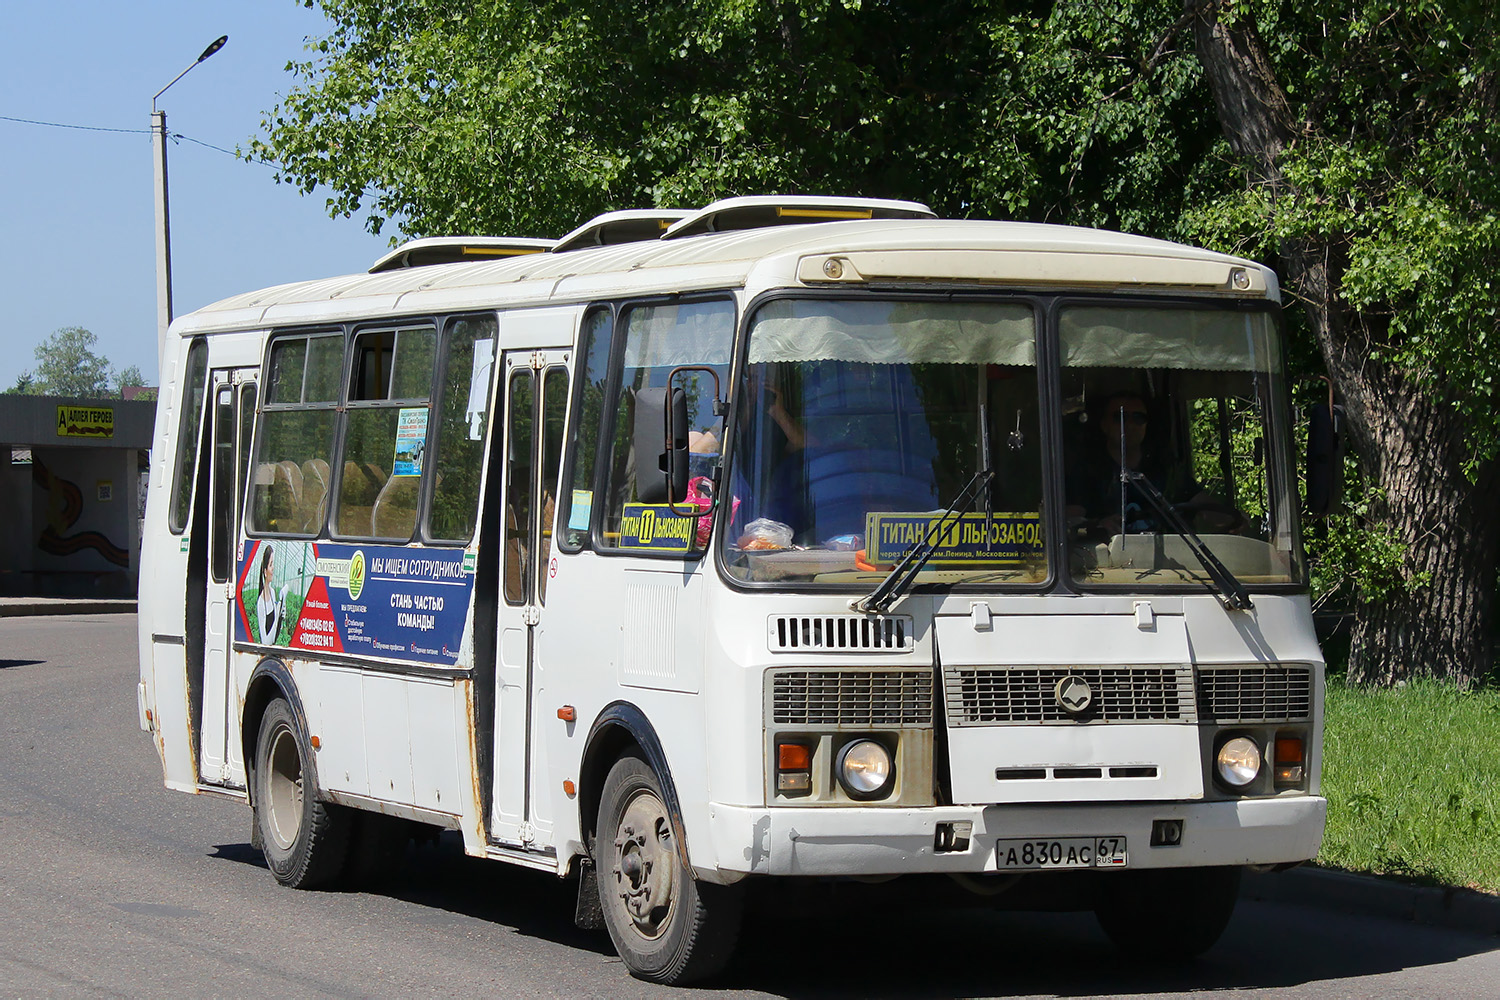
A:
x: 528, y: 118
x: 130, y: 377
x: 1370, y: 140
x: 1353, y: 145
x: 68, y: 366
x: 25, y: 385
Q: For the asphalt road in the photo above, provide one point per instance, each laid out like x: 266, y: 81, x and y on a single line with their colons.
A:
x: 112, y: 886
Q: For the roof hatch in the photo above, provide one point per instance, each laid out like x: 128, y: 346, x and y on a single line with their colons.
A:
x: 452, y: 249
x: 782, y: 210
x: 631, y: 226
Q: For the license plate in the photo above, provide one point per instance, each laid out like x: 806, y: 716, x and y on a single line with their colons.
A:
x: 1038, y: 853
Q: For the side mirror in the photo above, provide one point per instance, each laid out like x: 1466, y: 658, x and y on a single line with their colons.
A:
x: 1325, y: 458
x: 660, y: 442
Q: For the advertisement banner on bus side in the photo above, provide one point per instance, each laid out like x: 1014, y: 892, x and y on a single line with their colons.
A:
x: 322, y: 597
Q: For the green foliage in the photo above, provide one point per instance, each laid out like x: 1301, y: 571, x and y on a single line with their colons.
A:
x: 130, y: 377
x: 68, y: 366
x: 1413, y: 783
x: 1358, y: 559
x: 1393, y: 173
x: 25, y: 385
x: 530, y: 117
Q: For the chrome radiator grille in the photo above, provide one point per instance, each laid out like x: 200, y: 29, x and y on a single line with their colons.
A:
x: 1258, y: 693
x: 1007, y: 696
x: 855, y: 698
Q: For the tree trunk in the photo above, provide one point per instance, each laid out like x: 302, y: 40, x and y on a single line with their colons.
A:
x: 1440, y: 621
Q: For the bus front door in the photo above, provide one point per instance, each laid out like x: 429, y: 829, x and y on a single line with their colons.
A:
x: 231, y: 418
x: 535, y: 392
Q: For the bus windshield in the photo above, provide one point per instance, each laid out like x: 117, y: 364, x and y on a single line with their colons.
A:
x: 1192, y: 400
x: 861, y: 422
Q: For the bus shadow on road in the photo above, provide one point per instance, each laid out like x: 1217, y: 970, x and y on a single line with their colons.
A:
x: 837, y: 944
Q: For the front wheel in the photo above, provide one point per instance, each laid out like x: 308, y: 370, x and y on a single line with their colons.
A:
x: 305, y: 841
x: 1167, y: 915
x: 668, y: 927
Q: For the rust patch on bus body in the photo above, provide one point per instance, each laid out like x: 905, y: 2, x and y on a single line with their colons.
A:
x: 481, y: 831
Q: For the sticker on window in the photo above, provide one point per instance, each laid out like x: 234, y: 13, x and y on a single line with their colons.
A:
x: 583, y: 506
x: 1007, y: 539
x: 411, y: 436
x: 656, y: 528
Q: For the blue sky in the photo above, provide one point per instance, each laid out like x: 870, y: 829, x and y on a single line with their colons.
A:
x: 76, y: 220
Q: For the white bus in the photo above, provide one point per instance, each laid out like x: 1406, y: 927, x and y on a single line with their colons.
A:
x: 787, y: 538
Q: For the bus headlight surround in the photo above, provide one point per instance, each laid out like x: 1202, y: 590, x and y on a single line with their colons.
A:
x: 1238, y: 761
x: 866, y: 769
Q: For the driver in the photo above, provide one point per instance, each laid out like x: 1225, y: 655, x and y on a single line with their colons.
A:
x: 1093, y: 480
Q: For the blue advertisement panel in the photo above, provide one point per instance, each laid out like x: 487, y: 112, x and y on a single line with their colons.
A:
x: 1006, y: 539
x: 373, y: 600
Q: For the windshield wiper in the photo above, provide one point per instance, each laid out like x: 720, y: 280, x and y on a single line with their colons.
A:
x: 1231, y: 591
x: 899, y: 580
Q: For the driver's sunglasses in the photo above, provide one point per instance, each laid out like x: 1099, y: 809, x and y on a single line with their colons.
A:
x: 1130, y: 416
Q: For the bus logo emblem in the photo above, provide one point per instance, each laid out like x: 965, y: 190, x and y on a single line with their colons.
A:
x: 1074, y: 694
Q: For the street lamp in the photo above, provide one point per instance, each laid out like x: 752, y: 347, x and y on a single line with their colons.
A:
x: 163, y: 227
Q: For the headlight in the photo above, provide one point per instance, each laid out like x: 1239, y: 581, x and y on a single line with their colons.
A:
x: 1238, y: 761
x: 865, y: 769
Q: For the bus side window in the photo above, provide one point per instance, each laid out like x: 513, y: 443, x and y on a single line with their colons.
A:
x: 190, y: 410
x: 554, y: 412
x: 463, y: 416
x: 575, y: 509
x: 659, y: 338
x: 385, y: 433
x: 296, y: 434
x: 518, y: 487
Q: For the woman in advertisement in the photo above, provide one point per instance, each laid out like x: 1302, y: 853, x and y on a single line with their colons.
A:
x: 271, y: 604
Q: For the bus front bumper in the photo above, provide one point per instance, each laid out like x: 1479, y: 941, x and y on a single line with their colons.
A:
x: 834, y: 841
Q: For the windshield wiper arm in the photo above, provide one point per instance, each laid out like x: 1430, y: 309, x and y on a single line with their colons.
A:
x: 899, y: 580
x: 1231, y: 591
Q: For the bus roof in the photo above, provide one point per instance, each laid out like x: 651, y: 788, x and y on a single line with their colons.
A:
x: 889, y: 252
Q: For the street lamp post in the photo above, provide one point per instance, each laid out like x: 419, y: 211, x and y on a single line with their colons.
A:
x: 163, y: 226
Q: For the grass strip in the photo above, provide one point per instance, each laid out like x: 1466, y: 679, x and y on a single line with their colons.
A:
x: 1412, y: 778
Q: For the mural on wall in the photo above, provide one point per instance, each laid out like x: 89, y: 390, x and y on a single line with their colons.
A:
x: 64, y: 509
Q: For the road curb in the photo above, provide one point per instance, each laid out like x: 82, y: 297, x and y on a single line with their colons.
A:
x: 1367, y: 895
x: 27, y: 607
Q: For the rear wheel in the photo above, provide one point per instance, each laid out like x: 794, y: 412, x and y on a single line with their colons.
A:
x: 667, y: 926
x: 305, y: 841
x: 1167, y: 915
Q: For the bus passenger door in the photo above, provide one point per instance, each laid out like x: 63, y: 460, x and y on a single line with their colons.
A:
x: 535, y: 394
x: 231, y: 417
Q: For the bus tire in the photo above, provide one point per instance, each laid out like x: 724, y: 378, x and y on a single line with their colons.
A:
x: 668, y: 927
x: 304, y: 841
x: 1169, y: 914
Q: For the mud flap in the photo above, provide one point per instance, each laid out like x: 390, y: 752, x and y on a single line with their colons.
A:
x: 589, y: 915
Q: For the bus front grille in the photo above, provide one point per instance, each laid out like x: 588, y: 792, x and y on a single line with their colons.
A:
x: 1255, y: 693
x: 840, y: 634
x: 858, y: 698
x: 1008, y: 696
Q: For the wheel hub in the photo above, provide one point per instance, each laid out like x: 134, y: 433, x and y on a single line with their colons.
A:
x: 646, y: 864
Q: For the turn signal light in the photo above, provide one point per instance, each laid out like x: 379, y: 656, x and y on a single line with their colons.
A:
x: 793, y: 768
x: 1289, y: 772
x: 793, y: 757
